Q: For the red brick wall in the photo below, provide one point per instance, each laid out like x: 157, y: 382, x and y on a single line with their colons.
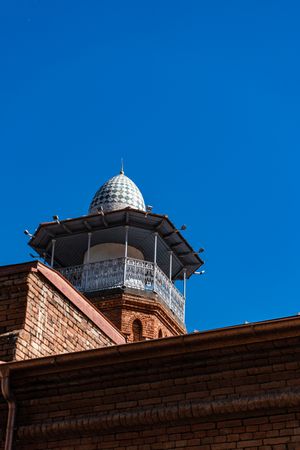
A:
x: 261, y: 433
x: 150, y: 324
x: 203, y: 395
x: 13, y: 298
x: 123, y: 308
x: 53, y: 325
x: 13, y: 295
x: 36, y: 320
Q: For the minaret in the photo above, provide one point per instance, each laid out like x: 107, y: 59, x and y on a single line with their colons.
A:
x: 125, y: 259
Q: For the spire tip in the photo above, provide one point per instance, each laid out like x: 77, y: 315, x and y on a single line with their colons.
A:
x: 122, y: 167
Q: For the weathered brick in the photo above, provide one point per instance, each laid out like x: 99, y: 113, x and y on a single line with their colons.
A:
x: 43, y: 321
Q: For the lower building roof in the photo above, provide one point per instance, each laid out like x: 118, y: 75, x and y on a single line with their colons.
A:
x: 74, y: 296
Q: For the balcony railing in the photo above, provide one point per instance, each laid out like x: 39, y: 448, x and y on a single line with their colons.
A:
x: 129, y: 272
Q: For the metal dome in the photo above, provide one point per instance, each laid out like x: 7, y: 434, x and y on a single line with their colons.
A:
x: 117, y: 193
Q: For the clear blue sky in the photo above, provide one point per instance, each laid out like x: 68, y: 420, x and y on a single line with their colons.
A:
x: 202, y: 101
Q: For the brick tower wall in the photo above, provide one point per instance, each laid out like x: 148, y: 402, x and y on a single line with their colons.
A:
x: 123, y: 308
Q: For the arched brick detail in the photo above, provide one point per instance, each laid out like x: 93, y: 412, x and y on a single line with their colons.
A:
x: 137, y: 330
x: 122, y: 308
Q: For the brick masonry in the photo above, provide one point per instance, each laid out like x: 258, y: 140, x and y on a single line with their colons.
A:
x: 13, y: 300
x: 236, y: 388
x: 37, y: 320
x: 53, y: 325
x: 124, y: 307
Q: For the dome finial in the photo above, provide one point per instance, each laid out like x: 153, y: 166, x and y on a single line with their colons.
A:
x: 122, y: 167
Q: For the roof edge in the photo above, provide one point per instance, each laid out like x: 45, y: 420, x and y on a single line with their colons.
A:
x: 225, y: 338
x: 74, y: 296
x: 129, y: 210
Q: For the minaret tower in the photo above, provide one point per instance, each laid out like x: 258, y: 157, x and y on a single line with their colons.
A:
x: 125, y: 259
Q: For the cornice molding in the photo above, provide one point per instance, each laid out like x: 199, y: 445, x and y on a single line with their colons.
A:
x: 185, y: 410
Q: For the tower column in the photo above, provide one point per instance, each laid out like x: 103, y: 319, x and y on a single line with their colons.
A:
x: 171, y: 262
x: 184, y: 292
x: 154, y: 259
x: 89, y: 247
x: 184, y: 283
x: 52, y: 252
x: 170, y: 277
x: 126, y: 252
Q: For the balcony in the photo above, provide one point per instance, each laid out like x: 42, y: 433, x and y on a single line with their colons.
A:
x: 127, y: 272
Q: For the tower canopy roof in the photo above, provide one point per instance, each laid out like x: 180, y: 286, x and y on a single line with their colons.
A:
x: 117, y: 193
x: 71, y: 239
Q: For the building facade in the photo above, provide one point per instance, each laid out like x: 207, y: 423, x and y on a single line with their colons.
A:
x: 95, y: 355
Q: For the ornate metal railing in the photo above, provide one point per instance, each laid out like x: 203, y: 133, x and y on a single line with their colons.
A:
x: 129, y: 272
